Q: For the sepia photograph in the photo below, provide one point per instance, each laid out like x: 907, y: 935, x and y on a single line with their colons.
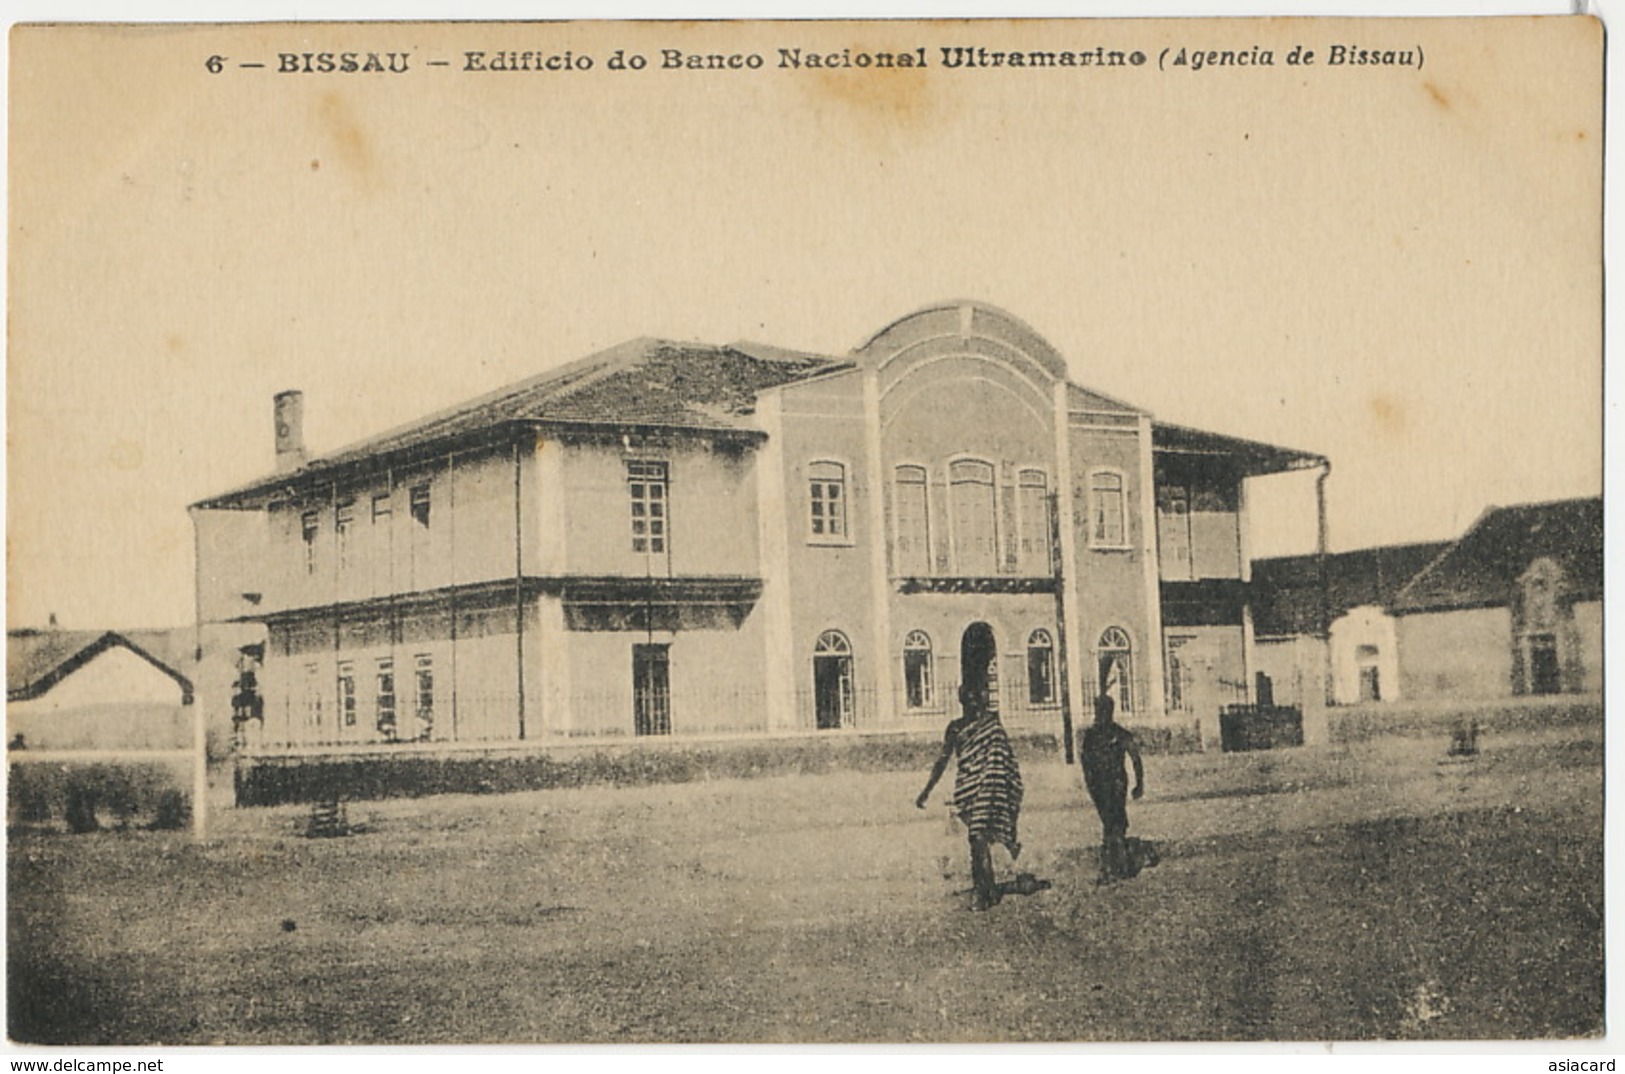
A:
x: 914, y: 531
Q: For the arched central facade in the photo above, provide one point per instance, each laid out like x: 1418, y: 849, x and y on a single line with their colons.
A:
x: 976, y: 470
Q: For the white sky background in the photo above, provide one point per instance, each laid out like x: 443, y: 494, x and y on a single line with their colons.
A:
x: 1344, y: 267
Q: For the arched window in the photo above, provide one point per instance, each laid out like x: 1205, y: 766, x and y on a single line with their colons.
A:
x: 1108, y: 514
x: 826, y: 490
x: 832, y: 681
x: 913, y: 530
x: 832, y: 642
x: 1040, y: 668
x: 972, y: 495
x: 918, y: 677
x: 1114, y: 657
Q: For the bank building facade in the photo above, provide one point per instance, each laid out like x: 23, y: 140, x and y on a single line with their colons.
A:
x: 679, y: 539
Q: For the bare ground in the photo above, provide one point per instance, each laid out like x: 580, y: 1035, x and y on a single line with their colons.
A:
x: 1366, y: 891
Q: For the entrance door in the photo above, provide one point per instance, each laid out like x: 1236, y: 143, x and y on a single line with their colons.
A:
x: 832, y: 681
x: 1370, y: 679
x: 1544, y: 676
x: 651, y: 689
x: 978, y: 662
x: 1370, y: 685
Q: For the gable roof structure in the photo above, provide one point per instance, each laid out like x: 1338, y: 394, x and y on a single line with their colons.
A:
x: 36, y: 660
x: 1287, y: 589
x: 1481, y: 570
x: 643, y: 384
x: 658, y: 385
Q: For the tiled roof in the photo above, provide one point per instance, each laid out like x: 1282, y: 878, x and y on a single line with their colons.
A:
x: 1286, y: 590
x: 1482, y: 569
x: 647, y: 382
x: 655, y: 383
x: 36, y: 660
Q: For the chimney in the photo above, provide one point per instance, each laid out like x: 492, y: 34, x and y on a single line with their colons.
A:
x: 290, y: 430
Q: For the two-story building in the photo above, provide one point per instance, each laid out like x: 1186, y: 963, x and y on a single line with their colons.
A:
x: 676, y: 538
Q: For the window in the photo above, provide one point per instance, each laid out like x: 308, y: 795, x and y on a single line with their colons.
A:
x: 913, y: 543
x: 827, y: 489
x: 917, y: 676
x: 1107, y: 528
x: 833, y: 703
x: 647, y: 484
x: 975, y: 528
x: 424, y: 710
x: 1174, y: 521
x: 1040, y: 668
x: 309, y: 526
x: 1177, y: 674
x: 381, y: 509
x: 419, y: 501
x: 651, y: 689
x: 343, y: 525
x: 346, y: 693
x: 313, y: 696
x: 384, y: 705
x: 1114, y: 657
x: 1033, y: 508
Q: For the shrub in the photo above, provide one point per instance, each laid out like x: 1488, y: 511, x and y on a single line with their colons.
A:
x: 81, y: 811
x: 173, y: 812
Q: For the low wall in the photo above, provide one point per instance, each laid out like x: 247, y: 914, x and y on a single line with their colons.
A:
x: 413, y: 771
x: 310, y: 777
x: 1353, y: 723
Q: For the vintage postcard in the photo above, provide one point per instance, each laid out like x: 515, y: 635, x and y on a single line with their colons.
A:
x: 805, y: 532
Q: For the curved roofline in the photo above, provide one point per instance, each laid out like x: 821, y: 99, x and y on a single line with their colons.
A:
x: 1045, y: 354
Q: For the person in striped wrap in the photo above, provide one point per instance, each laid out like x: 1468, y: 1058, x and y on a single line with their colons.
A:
x: 987, y: 786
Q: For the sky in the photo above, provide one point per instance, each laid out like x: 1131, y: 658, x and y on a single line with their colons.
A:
x: 1397, y: 268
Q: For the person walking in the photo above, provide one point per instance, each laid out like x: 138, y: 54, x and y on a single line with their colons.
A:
x: 1106, y: 745
x: 987, y: 786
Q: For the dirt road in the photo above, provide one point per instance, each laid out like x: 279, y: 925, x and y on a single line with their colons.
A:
x: 1351, y: 892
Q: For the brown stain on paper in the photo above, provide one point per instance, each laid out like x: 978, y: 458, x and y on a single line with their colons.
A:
x: 1388, y: 411
x: 897, y: 98
x: 1437, y: 94
x: 351, y: 146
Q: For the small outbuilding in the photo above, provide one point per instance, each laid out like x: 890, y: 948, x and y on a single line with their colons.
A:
x: 1331, y: 613
x: 88, y: 690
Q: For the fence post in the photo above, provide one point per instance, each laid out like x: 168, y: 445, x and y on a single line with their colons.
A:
x: 200, y: 770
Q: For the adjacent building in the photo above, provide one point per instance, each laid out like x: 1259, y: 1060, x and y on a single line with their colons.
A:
x: 676, y: 538
x: 1323, y: 626
x: 97, y: 691
x: 1514, y: 607
x: 1511, y: 608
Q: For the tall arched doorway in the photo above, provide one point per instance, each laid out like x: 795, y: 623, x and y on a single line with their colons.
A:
x: 978, y: 661
x: 832, y: 681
